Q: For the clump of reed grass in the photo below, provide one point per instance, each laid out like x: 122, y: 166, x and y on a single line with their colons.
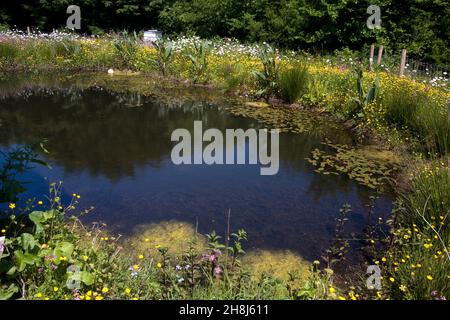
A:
x: 417, y: 113
x: 293, y: 82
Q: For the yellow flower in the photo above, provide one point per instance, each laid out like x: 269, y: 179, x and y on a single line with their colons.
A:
x: 158, y: 265
x: 12, y: 205
x: 141, y: 256
x: 332, y: 290
x: 157, y: 246
x: 89, y: 293
x: 99, y: 297
x: 3, y: 230
x: 105, y: 290
x: 146, y: 239
x: 87, y: 297
x: 136, y: 267
x: 39, y: 295
x: 391, y: 279
x: 341, y: 298
x: 55, y: 289
x: 85, y: 258
x: 127, y: 290
x: 40, y: 203
x: 429, y: 277
x: 402, y: 288
x: 383, y: 259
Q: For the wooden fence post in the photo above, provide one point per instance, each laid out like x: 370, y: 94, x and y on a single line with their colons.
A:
x: 402, y: 63
x: 372, y: 52
x: 28, y: 30
x: 380, y: 54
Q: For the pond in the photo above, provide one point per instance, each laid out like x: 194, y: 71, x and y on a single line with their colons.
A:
x: 112, y: 146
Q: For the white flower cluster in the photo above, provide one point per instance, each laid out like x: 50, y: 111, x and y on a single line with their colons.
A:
x: 56, y: 35
x: 218, y: 47
x: 441, y: 81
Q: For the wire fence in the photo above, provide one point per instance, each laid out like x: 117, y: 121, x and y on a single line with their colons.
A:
x: 418, y: 69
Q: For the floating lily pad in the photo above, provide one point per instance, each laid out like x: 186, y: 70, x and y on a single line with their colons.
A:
x: 368, y: 166
x: 287, y: 119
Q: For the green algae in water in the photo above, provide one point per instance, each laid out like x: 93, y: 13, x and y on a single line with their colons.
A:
x: 176, y: 235
x: 286, y: 119
x: 368, y: 166
x: 279, y: 264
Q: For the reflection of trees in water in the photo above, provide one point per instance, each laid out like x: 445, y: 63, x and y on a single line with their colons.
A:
x: 113, y: 134
x: 105, y: 133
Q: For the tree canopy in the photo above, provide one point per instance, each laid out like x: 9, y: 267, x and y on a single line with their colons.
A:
x: 421, y: 26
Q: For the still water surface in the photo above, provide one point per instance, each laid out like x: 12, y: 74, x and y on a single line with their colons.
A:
x: 114, y: 149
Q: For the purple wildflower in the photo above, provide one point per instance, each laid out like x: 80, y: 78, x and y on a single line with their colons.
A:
x: 217, y: 270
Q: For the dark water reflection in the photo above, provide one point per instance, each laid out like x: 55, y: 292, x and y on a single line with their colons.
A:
x: 114, y: 150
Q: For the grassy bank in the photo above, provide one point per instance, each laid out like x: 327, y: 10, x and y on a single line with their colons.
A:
x: 406, y: 117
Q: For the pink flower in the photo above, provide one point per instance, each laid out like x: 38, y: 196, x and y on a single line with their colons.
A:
x: 217, y: 270
x: 2, y: 245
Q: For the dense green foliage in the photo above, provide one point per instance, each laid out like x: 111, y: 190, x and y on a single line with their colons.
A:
x: 421, y: 26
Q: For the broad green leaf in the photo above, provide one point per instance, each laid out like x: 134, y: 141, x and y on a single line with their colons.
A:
x: 87, y: 278
x: 38, y: 218
x: 28, y: 241
x: 63, y: 249
x: 7, y: 293
x: 24, y: 259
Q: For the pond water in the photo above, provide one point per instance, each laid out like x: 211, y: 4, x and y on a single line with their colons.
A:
x: 114, y: 149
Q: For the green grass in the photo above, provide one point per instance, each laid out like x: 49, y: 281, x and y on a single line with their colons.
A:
x: 418, y: 261
x: 293, y: 82
x: 417, y: 113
